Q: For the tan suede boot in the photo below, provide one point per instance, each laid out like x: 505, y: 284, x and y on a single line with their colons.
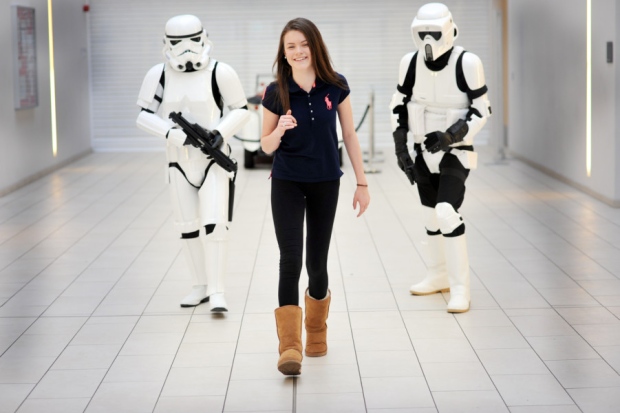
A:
x: 288, y: 323
x: 316, y: 327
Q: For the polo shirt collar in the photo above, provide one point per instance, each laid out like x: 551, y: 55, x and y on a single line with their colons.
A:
x: 293, y: 87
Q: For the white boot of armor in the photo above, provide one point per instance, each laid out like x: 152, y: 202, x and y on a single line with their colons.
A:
x: 216, y: 247
x: 436, y: 279
x: 457, y: 263
x: 193, y: 250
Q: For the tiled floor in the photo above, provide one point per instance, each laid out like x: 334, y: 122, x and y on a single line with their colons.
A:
x: 91, y: 276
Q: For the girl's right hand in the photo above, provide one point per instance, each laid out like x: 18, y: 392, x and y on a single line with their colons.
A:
x: 286, y: 122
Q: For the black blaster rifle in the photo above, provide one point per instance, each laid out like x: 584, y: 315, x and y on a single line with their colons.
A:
x: 206, y: 141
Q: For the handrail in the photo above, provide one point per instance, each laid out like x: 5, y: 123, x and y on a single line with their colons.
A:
x: 363, y: 117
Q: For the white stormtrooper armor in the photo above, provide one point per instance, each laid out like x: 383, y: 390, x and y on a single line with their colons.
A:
x: 441, y: 101
x: 199, y: 187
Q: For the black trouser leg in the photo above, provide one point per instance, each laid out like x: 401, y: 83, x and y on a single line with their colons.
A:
x: 320, y: 213
x: 289, y: 202
x: 287, y: 206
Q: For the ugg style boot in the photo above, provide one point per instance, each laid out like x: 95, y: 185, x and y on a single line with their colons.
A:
x: 316, y: 326
x: 436, y: 280
x: 457, y: 263
x: 288, y: 323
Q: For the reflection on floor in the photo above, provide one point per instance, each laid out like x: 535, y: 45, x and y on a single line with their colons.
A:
x: 91, y: 276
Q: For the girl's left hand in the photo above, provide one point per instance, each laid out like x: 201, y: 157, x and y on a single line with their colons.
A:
x: 361, y: 198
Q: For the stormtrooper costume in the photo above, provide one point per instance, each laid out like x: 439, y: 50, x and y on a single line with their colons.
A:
x: 441, y: 100
x: 200, y: 189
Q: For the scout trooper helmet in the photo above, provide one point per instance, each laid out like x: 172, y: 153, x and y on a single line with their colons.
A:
x: 434, y: 30
x: 186, y: 45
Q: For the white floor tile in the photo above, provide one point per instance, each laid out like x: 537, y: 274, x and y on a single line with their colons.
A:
x: 434, y: 328
x: 38, y: 345
x: 592, y: 315
x: 57, y: 325
x: 511, y: 361
x: 532, y: 390
x: 450, y: 377
x: 256, y: 366
x: 151, y: 344
x: 396, y: 393
x: 190, y: 404
x: 162, y: 324
x: 205, y: 355
x: 444, y: 350
x: 258, y: 342
x: 488, y: 401
x: 259, y: 395
x: 212, y: 332
x: 95, y: 356
x: 549, y: 324
x: 570, y: 408
x: 324, y: 378
x: 410, y: 410
x: 142, y: 368
x: 373, y: 364
x: 65, y: 384
x: 12, y: 395
x: 381, y: 339
x: 69, y: 405
x: 597, y: 400
x: 495, y: 337
x: 129, y: 397
x: 105, y: 330
x: 562, y: 348
x: 196, y: 381
x: 600, y: 334
x: 584, y: 373
x: 611, y: 354
x: 330, y: 403
x: 376, y: 319
x: 338, y: 352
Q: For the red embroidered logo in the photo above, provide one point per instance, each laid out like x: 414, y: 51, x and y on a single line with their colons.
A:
x: 328, y: 102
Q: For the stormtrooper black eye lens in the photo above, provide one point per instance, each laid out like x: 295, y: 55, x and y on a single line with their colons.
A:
x: 195, y: 39
x: 434, y: 35
x: 173, y: 42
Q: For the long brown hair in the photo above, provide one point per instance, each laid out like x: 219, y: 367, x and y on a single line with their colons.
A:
x: 321, y: 62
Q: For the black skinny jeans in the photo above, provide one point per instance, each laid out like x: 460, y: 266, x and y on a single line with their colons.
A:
x: 289, y: 201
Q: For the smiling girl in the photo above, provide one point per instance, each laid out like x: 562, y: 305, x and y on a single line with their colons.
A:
x: 299, y: 125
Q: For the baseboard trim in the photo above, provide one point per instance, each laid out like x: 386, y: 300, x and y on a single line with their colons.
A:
x: 611, y: 202
x: 30, y: 179
x: 129, y: 144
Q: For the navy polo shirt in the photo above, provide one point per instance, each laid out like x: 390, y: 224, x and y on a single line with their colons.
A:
x: 309, y: 152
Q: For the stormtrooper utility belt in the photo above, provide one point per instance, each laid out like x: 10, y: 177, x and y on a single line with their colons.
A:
x: 231, y: 184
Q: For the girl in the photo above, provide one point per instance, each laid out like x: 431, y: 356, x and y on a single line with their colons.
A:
x: 299, y: 125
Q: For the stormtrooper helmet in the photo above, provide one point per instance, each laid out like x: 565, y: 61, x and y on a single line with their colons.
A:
x: 433, y: 30
x: 186, y: 45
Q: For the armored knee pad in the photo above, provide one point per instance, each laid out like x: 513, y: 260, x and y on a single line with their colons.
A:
x: 449, y: 220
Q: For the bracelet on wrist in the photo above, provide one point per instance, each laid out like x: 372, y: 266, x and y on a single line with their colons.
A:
x: 365, y: 185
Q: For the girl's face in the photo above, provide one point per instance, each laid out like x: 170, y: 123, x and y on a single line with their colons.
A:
x: 297, y: 50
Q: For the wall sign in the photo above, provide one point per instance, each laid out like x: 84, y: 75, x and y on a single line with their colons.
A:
x: 25, y: 93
